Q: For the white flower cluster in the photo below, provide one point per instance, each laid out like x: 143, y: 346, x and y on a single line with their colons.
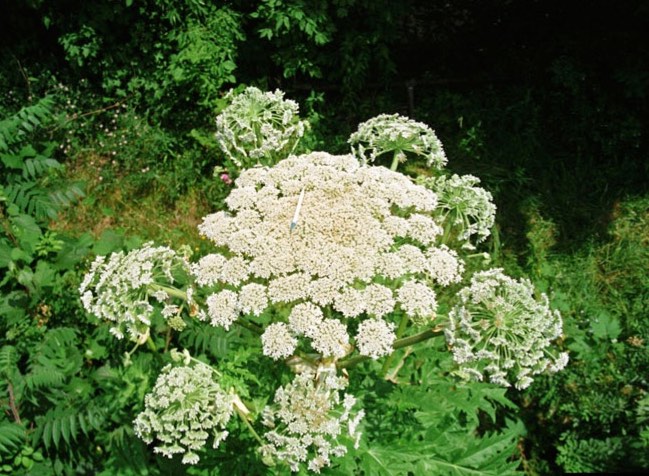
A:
x: 258, y: 127
x: 123, y: 288
x: 396, y: 135
x: 330, y: 240
x: 308, y: 419
x: 464, y: 205
x: 185, y: 408
x: 499, y: 329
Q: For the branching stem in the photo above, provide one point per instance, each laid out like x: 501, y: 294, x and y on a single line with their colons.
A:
x: 400, y: 330
x: 243, y: 414
x: 398, y: 344
x: 251, y: 326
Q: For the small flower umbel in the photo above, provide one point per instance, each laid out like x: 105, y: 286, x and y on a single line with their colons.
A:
x: 258, y: 128
x: 498, y: 329
x: 128, y: 288
x: 185, y: 408
x: 309, y: 421
x: 399, y: 137
x: 466, y: 209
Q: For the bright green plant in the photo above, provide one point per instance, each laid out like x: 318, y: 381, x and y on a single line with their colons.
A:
x: 288, y: 266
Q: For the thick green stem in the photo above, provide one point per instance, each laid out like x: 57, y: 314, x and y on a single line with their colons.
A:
x: 447, y: 233
x: 351, y: 362
x: 251, y: 326
x: 395, y: 161
x: 169, y: 290
x: 417, y: 338
x: 400, y: 330
x: 151, y: 345
x: 243, y: 412
x: 398, y: 344
x: 218, y: 374
x: 304, y: 356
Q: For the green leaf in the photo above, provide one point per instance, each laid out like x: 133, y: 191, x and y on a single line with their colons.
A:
x: 605, y: 326
x: 44, y: 275
x: 383, y: 461
x: 83, y: 424
x: 492, y: 449
x: 5, y: 254
x: 8, y: 359
x: 108, y: 242
x: 12, y: 437
x: 47, y: 433
x: 26, y: 231
x: 56, y: 432
x: 18, y: 254
x: 12, y: 161
x: 74, y: 251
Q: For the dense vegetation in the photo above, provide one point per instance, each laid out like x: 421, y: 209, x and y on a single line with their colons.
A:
x: 107, y: 140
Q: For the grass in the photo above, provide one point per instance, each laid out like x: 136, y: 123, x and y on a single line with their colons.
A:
x: 119, y: 203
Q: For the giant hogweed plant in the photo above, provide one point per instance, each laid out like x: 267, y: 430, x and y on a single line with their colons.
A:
x: 331, y: 261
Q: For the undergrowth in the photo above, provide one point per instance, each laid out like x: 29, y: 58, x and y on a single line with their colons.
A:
x: 593, y: 416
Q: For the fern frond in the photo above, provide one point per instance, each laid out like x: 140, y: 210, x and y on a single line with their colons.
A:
x: 12, y: 437
x: 207, y: 339
x: 38, y: 166
x: 8, y: 359
x: 17, y: 127
x: 44, y: 377
x: 41, y: 202
x: 64, y: 197
x: 65, y: 426
x: 61, y: 337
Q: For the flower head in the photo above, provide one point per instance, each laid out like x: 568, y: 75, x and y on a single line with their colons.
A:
x: 258, y: 128
x: 127, y: 288
x: 185, y: 407
x: 278, y: 341
x: 467, y: 208
x: 499, y: 329
x: 375, y: 337
x: 399, y: 136
x: 321, y: 231
x: 310, y: 420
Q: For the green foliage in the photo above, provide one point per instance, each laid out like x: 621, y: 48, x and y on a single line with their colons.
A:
x: 206, y: 52
x: 431, y: 425
x: 29, y: 181
x: 554, y: 125
x: 12, y: 436
x: 590, y: 455
x: 592, y: 411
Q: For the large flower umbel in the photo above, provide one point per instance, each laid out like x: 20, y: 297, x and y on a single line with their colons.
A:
x: 329, y: 235
x: 499, y: 329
